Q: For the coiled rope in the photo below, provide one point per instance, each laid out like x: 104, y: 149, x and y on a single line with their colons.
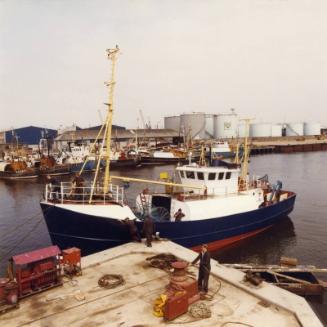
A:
x: 111, y: 281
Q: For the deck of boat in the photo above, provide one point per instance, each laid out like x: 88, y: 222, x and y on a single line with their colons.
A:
x: 82, y: 302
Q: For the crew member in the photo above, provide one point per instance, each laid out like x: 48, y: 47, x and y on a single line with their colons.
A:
x: 133, y: 231
x: 204, y: 269
x: 78, y: 183
x: 179, y: 215
x: 148, y: 230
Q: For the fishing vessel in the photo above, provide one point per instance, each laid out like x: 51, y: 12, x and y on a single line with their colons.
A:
x: 81, y: 158
x: 16, y: 169
x: 222, y: 150
x: 170, y: 155
x: 221, y: 204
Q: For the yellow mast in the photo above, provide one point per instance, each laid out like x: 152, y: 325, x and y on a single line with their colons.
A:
x: 246, y: 155
x: 112, y: 55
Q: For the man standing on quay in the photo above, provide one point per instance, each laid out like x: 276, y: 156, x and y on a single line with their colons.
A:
x: 204, y: 269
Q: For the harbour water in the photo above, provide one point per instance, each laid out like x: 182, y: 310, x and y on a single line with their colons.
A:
x: 302, y: 235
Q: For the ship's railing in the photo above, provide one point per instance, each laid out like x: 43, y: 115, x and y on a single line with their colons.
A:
x: 67, y: 192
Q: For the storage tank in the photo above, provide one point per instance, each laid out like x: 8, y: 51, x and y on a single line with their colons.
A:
x: 294, y: 129
x: 225, y: 125
x: 241, y: 130
x: 260, y: 130
x: 209, y: 131
x: 277, y: 130
x: 312, y: 129
x: 193, y: 124
x: 172, y: 122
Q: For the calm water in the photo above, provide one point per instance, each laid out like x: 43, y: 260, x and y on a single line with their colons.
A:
x: 302, y: 235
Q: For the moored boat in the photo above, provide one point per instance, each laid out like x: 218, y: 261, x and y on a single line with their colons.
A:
x: 170, y: 155
x: 16, y: 169
x: 221, y: 204
x: 49, y: 166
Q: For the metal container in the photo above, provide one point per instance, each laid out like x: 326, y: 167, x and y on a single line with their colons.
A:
x: 225, y: 125
x: 294, y: 129
x: 260, y: 130
x: 172, y: 122
x: 312, y: 129
x: 193, y: 124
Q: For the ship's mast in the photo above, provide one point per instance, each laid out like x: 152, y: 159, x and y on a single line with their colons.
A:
x: 112, y: 55
x: 246, y: 155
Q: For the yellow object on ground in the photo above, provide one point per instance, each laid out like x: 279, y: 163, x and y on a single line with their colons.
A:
x: 159, y: 303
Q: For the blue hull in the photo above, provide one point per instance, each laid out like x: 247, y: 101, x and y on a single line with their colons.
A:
x: 92, y: 234
x: 89, y: 166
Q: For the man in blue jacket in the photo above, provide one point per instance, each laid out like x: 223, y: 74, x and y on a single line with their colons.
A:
x: 204, y: 269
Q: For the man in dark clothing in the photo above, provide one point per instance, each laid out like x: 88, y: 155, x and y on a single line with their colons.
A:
x: 204, y: 269
x: 133, y: 231
x: 78, y: 180
x: 148, y: 230
x: 78, y: 183
x: 179, y: 215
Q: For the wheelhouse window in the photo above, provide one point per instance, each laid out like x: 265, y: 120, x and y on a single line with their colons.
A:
x: 221, y: 176
x: 228, y: 175
x: 182, y: 174
x: 212, y: 176
x: 190, y: 174
x: 200, y: 176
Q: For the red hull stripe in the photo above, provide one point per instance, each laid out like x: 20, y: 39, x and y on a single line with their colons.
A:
x: 222, y: 243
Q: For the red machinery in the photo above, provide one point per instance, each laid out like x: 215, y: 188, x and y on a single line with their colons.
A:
x: 181, y: 291
x: 37, y: 270
x: 8, y: 295
x: 71, y: 261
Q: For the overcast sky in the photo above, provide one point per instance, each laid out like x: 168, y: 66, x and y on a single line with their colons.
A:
x: 265, y: 58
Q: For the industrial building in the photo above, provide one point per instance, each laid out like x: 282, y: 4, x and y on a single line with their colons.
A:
x: 200, y: 125
x: 30, y: 135
x: 119, y: 135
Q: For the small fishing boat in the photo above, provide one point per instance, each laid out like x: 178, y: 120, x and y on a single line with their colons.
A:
x: 49, y: 166
x: 222, y: 150
x: 170, y: 155
x: 16, y: 169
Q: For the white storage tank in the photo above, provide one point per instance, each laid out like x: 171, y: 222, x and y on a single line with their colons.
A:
x: 312, y: 129
x: 260, y: 130
x: 209, y: 131
x: 294, y: 129
x: 277, y: 130
x: 243, y: 130
x: 172, y: 122
x: 225, y: 125
x: 193, y: 124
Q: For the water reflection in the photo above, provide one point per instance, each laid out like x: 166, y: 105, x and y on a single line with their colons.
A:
x: 266, y: 247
